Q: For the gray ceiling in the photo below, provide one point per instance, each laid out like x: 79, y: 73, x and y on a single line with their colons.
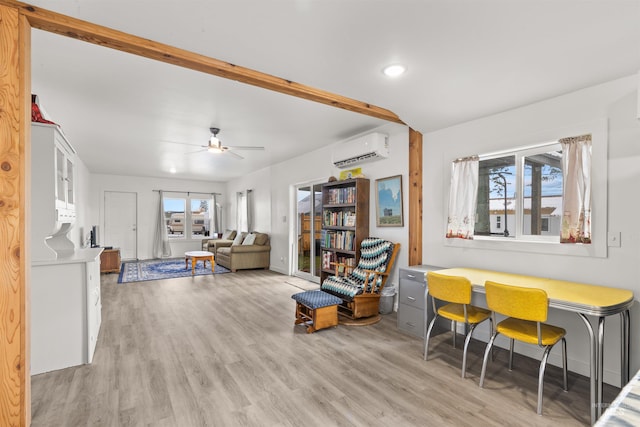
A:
x: 466, y: 59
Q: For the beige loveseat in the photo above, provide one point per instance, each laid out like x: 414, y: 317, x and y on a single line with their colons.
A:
x: 245, y: 252
x: 211, y: 245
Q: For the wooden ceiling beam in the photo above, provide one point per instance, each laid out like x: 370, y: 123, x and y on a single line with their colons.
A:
x: 82, y: 30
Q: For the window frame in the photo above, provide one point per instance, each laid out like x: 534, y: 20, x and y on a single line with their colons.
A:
x: 187, y: 221
x: 520, y: 154
x: 598, y: 129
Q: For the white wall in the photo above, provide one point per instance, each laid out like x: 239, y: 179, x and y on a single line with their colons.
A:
x: 147, y: 200
x: 615, y: 101
x: 278, y: 181
x: 80, y: 231
x: 260, y: 183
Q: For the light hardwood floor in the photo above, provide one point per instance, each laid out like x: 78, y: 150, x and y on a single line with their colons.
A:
x: 223, y: 350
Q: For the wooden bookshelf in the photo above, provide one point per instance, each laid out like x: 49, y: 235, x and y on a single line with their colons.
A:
x: 345, y: 222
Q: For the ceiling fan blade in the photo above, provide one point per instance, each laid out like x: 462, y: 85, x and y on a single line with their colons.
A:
x: 194, y: 152
x: 245, y: 147
x: 184, y: 143
x: 238, y: 156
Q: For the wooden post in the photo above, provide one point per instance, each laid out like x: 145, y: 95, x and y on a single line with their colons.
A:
x: 15, y: 126
x: 415, y: 197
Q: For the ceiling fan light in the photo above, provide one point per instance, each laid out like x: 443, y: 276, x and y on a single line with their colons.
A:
x: 215, y: 150
x: 214, y: 140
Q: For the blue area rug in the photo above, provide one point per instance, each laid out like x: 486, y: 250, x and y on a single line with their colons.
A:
x: 157, y: 269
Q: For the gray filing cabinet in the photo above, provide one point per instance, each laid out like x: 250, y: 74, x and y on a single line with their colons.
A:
x: 412, y: 299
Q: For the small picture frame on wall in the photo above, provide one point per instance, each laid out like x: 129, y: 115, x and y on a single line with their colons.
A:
x: 389, y: 202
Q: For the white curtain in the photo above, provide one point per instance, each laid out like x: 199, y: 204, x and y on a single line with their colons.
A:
x: 161, y: 246
x: 249, y: 213
x: 463, y: 196
x: 215, y: 218
x: 576, y: 199
x: 241, y: 212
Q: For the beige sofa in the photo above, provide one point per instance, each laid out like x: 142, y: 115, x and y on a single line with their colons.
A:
x: 240, y: 256
x: 211, y: 245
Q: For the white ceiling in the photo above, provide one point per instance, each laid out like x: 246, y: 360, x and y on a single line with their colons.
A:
x: 465, y: 59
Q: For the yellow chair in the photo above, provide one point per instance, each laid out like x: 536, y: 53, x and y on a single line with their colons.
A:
x: 456, y: 292
x: 526, y: 309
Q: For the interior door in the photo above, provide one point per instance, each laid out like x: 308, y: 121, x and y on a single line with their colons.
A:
x: 120, y: 223
x: 308, y: 214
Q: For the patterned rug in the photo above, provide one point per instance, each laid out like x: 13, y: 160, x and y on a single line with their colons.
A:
x: 157, y: 269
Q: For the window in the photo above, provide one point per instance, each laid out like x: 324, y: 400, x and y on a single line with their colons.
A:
x: 520, y: 194
x: 174, y: 216
x: 200, y: 217
x: 545, y: 224
x: 533, y: 197
x: 194, y: 222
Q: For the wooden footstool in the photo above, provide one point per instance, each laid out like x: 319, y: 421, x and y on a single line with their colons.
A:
x: 316, y: 309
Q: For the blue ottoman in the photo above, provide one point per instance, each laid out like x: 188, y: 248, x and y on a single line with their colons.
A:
x: 316, y: 309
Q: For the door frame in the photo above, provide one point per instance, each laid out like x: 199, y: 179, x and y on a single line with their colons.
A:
x: 294, y: 233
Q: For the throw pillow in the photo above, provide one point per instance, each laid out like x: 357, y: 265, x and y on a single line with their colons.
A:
x: 226, y: 234
x: 238, y: 240
x: 261, y: 239
x: 249, y: 240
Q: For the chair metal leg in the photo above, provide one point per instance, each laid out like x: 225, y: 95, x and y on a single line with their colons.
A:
x: 564, y: 365
x: 491, y: 331
x: 426, y: 339
x: 487, y: 351
x: 511, y: 354
x: 466, y: 344
x: 543, y: 365
x: 454, y: 329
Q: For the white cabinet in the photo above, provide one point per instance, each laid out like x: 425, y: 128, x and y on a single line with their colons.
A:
x: 66, y: 311
x: 53, y: 171
x: 64, y: 186
x: 94, y: 307
x: 53, y: 195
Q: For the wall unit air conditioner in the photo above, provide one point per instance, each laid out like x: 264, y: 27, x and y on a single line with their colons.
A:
x: 366, y: 148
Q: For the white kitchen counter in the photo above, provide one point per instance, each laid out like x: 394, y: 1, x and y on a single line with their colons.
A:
x: 65, y: 310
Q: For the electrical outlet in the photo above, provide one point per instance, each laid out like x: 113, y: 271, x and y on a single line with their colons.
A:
x: 613, y: 239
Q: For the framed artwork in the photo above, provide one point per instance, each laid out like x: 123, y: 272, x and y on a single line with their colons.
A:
x: 389, y: 202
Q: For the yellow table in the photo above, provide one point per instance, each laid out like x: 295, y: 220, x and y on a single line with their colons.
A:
x: 583, y: 299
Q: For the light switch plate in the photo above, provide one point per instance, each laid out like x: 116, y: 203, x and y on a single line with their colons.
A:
x: 613, y: 239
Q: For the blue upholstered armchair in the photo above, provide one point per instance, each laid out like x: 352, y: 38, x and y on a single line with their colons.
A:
x: 360, y: 289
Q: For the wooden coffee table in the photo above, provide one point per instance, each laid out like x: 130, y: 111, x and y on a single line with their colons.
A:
x: 196, y: 256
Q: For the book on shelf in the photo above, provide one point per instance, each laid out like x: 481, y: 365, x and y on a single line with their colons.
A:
x: 349, y: 219
x: 339, y: 218
x: 336, y: 196
x: 327, y: 259
x: 338, y: 239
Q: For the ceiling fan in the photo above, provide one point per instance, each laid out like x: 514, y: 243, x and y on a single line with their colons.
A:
x: 215, y: 145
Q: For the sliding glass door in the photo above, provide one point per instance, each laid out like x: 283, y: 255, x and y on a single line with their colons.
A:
x: 309, y: 224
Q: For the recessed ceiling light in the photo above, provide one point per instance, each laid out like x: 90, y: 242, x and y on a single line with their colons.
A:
x: 172, y: 170
x: 394, y: 70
